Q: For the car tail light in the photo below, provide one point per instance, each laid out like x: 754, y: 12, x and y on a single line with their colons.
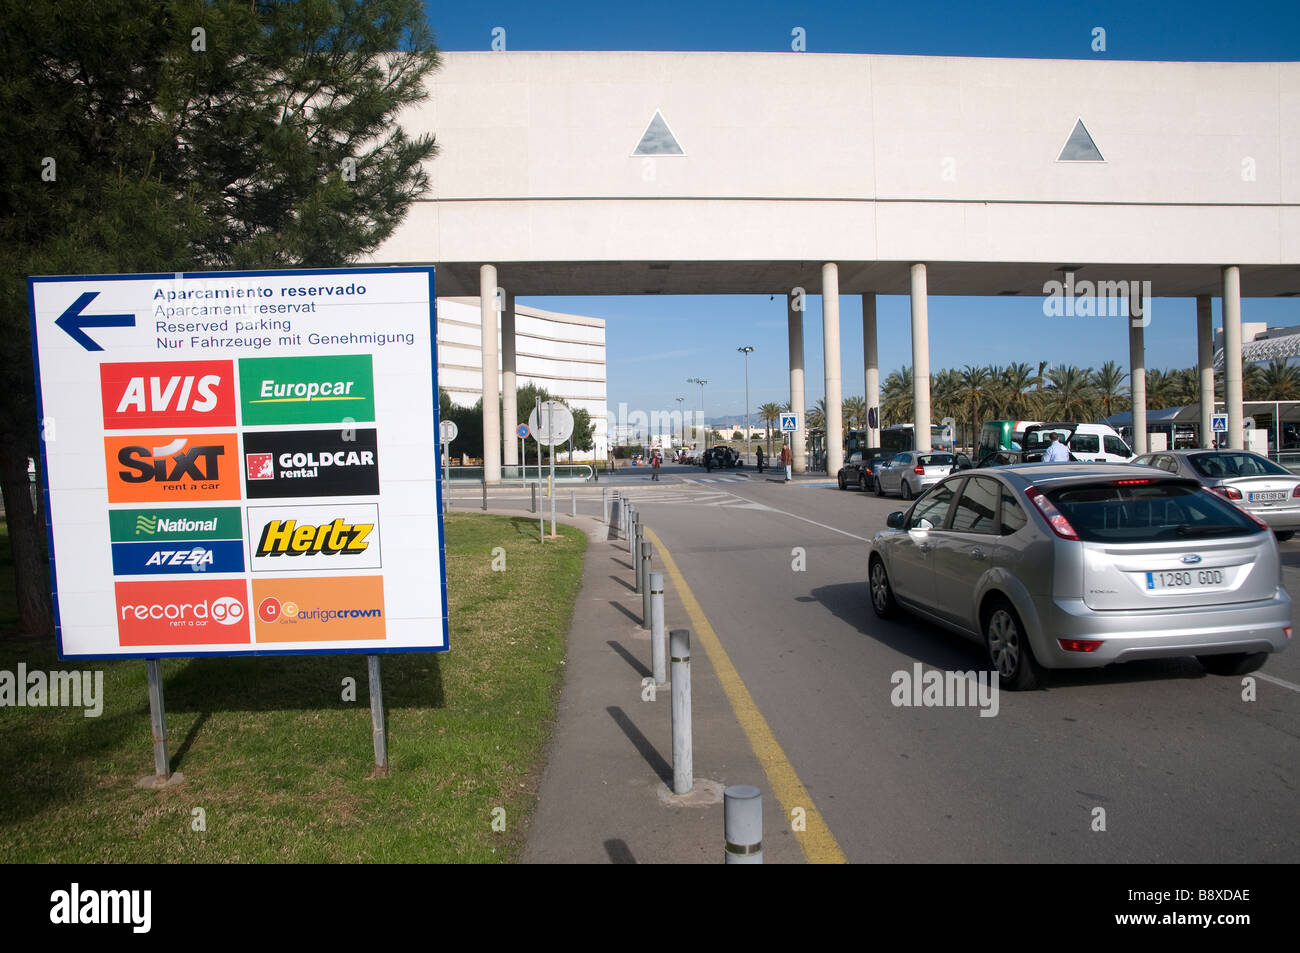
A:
x: 1055, y: 518
x: 1131, y: 482
x: 1286, y: 630
x: 1080, y: 645
x: 918, y: 470
x: 1227, y: 492
x: 1296, y: 492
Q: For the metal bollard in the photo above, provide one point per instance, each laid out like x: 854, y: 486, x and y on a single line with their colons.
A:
x: 485, y: 493
x: 573, y: 503
x: 647, y: 562
x: 635, y: 534
x: 604, y: 505
x: 679, y: 647
x: 532, y: 498
x: 638, y: 539
x: 658, y: 657
x: 742, y: 814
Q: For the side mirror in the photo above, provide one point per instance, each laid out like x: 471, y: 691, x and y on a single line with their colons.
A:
x: 895, y: 520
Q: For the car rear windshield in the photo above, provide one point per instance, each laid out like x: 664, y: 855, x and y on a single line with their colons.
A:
x: 1222, y: 465
x: 935, y: 459
x: 1038, y: 439
x: 1114, y: 512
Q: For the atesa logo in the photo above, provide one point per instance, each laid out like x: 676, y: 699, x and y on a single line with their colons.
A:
x: 170, y: 394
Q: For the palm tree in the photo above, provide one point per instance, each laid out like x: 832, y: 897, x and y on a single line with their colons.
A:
x: 855, y: 413
x: 1016, y: 381
x: 1162, y: 389
x: 769, y: 412
x: 1108, y: 385
x: 945, y: 393
x: 1281, y: 381
x: 1069, y: 396
x: 817, y: 416
x: 973, y: 382
x: 896, y: 393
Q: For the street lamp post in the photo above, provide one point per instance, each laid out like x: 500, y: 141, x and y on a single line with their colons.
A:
x: 703, y: 422
x: 679, y: 414
x: 693, y: 380
x: 746, y: 351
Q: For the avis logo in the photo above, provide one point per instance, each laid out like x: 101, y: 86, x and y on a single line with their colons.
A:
x: 287, y: 538
x: 170, y: 394
x: 171, y: 463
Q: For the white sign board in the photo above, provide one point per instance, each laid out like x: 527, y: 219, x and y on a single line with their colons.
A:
x: 553, y: 425
x: 1219, y: 423
x: 789, y: 423
x: 447, y: 430
x: 241, y: 463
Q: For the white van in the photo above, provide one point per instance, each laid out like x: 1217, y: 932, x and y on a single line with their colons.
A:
x: 1095, y: 443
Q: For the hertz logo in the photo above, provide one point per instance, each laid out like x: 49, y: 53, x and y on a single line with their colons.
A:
x: 287, y: 538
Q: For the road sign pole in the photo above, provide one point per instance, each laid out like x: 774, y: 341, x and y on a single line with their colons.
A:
x: 377, y: 729
x: 550, y: 429
x: 162, y: 772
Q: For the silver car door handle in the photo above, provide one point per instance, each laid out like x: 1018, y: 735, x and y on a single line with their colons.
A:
x: 925, y: 547
x: 977, y: 553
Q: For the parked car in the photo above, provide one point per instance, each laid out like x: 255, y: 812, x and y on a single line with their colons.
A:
x: 909, y: 474
x: 1010, y: 458
x: 1081, y: 565
x: 723, y: 458
x: 1097, y: 443
x: 860, y: 469
x: 1256, y: 484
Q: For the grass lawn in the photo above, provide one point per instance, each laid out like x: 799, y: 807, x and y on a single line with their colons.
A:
x: 276, y: 759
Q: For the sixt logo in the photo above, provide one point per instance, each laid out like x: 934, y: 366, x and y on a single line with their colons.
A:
x: 287, y: 538
x: 172, y: 394
x: 170, y: 467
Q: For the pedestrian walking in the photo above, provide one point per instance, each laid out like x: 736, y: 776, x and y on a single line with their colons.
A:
x: 786, y: 457
x: 759, y: 456
x: 655, y: 460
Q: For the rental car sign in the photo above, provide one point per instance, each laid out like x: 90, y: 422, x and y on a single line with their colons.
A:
x: 241, y: 463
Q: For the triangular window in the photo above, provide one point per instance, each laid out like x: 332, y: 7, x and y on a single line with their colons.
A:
x: 1080, y: 147
x: 658, y: 140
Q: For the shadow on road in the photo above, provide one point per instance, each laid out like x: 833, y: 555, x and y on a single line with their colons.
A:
x: 642, y: 744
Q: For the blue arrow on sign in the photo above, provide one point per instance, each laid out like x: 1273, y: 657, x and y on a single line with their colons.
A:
x: 75, y: 323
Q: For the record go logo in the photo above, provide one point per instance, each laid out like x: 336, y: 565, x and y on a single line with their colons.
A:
x: 182, y: 613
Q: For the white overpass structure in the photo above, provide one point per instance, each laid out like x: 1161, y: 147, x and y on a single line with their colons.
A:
x: 711, y: 173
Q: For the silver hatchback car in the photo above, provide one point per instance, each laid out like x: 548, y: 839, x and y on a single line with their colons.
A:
x: 1081, y: 565
x: 911, y: 473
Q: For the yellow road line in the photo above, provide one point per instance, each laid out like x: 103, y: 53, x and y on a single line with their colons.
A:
x: 816, y: 840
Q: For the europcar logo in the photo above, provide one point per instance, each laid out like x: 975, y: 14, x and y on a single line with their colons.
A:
x: 148, y: 542
x: 300, y: 463
x: 307, y: 390
x: 207, y: 612
x: 335, y: 609
x: 168, y: 394
x: 172, y: 468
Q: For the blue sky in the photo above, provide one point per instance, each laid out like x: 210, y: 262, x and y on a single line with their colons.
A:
x: 655, y: 343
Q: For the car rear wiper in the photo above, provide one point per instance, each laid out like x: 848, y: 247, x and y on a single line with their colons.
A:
x: 1187, y: 529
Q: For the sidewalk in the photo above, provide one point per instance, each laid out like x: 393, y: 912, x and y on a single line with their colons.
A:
x: 605, y: 794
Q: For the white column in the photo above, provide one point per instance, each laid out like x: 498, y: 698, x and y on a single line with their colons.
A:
x: 1137, y: 372
x: 871, y: 363
x: 509, y: 406
x: 920, y: 357
x: 794, y: 318
x: 1232, y: 383
x: 831, y: 352
x: 487, y: 294
x: 1205, y: 365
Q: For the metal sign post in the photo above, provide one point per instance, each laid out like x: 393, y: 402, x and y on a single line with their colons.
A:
x: 377, y: 728
x: 162, y: 773
x: 541, y: 516
x: 447, y: 432
x: 550, y: 423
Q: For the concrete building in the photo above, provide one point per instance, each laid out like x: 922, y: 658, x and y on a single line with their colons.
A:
x: 563, y: 353
x: 831, y: 174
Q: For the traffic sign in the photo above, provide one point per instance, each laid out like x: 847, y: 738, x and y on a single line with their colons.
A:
x: 215, y: 427
x: 1218, y: 423
x: 522, y: 431
x: 789, y: 423
x: 554, y: 424
x: 448, y: 430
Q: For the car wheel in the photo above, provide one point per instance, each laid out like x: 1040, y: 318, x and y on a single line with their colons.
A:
x: 882, y: 594
x: 880, y: 488
x: 843, y: 483
x: 1009, y: 650
x: 1236, y: 663
x: 1284, y: 536
x: 862, y: 482
x: 905, y: 489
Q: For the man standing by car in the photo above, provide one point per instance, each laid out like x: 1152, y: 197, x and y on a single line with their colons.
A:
x: 786, y: 457
x: 1056, y: 452
x: 759, y: 457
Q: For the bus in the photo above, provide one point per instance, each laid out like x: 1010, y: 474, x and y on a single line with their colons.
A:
x: 899, y: 439
x: 998, y: 435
